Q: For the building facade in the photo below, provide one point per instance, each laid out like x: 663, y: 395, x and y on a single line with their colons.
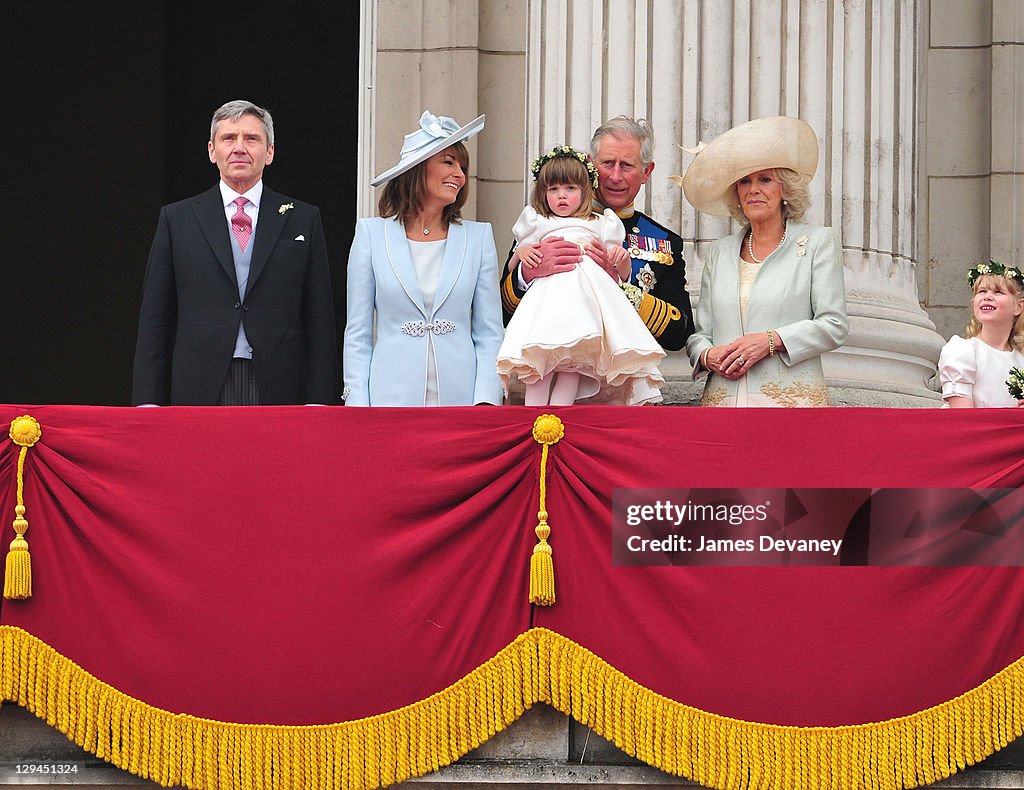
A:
x: 918, y: 106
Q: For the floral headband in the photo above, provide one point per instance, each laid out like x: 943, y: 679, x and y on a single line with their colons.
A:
x: 996, y: 269
x: 564, y: 150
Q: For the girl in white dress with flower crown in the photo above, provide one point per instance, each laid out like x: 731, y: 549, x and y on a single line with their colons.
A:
x: 575, y: 336
x: 973, y: 370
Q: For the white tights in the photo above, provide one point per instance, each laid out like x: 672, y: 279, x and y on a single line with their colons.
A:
x: 555, y: 389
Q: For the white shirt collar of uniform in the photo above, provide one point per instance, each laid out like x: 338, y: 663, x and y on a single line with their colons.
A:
x: 253, y: 195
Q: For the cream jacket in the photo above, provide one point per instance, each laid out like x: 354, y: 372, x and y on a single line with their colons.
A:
x: 799, y: 293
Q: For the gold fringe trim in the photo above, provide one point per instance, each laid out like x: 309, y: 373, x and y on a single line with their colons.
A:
x: 539, y: 666
x: 731, y: 754
x: 177, y: 749
x: 547, y: 430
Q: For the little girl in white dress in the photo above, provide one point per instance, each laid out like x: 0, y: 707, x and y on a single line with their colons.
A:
x: 973, y: 371
x: 574, y: 335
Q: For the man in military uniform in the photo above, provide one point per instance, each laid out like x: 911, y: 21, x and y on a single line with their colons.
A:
x: 622, y: 149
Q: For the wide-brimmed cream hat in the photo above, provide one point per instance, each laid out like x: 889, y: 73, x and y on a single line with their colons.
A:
x: 436, y: 133
x: 761, y: 144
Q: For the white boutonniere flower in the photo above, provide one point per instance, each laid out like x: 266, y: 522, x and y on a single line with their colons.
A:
x: 285, y: 207
x: 801, y: 246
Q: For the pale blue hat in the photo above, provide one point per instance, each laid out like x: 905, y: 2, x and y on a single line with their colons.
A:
x: 436, y: 133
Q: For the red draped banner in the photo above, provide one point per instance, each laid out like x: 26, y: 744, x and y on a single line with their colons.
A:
x: 337, y: 597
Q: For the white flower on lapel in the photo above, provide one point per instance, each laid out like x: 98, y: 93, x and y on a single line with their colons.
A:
x: 801, y: 246
x: 285, y: 207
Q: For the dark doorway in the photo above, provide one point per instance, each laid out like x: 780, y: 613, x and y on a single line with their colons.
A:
x: 109, y: 118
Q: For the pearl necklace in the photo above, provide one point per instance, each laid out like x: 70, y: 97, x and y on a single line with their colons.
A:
x: 750, y: 245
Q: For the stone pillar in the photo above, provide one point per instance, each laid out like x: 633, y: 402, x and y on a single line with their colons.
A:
x: 974, y: 158
x: 424, y: 56
x: 695, y: 69
x: 454, y: 57
x: 1008, y: 131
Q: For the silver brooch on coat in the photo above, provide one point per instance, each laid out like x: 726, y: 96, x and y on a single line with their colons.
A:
x: 420, y: 328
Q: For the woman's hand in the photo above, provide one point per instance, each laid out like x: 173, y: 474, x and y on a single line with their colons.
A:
x: 714, y: 361
x: 733, y: 360
x: 718, y: 361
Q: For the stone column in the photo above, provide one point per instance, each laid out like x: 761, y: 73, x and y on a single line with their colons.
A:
x: 974, y: 158
x: 454, y: 57
x: 1008, y: 131
x: 695, y: 69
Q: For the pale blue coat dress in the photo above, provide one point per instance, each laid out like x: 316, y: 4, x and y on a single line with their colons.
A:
x: 389, y: 332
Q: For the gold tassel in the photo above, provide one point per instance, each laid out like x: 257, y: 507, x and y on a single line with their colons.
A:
x: 18, y: 572
x: 547, y: 430
x: 25, y: 432
x: 542, y: 569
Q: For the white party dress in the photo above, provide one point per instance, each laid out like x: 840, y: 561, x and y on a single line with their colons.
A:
x: 580, y: 321
x: 973, y: 369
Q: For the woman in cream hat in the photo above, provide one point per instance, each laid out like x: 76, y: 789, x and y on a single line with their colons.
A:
x: 772, y: 297
x: 424, y: 316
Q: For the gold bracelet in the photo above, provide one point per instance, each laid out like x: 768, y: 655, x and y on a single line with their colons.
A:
x: 771, y: 343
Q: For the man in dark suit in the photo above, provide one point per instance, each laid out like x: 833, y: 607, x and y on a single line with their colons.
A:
x: 237, y: 307
x: 622, y: 149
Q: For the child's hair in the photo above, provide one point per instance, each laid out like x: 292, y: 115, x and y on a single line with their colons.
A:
x: 1012, y: 286
x: 562, y: 168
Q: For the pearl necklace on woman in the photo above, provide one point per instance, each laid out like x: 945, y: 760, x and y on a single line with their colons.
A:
x: 750, y: 245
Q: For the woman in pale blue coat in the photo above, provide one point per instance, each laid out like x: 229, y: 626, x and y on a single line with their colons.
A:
x: 424, y: 315
x: 773, y: 296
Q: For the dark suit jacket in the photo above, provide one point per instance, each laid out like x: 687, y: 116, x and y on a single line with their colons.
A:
x: 191, y: 309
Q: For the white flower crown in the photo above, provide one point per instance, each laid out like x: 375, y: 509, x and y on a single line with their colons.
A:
x: 568, y: 151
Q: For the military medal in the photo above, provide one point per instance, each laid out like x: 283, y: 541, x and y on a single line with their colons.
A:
x: 645, y: 248
x: 665, y: 252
